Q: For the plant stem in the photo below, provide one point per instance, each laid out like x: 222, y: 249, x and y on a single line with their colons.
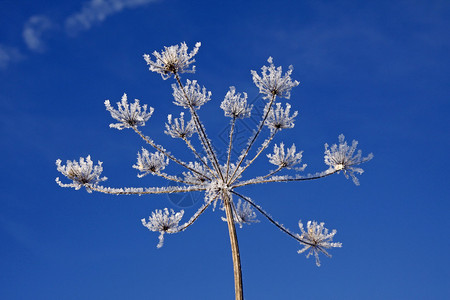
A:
x: 239, y: 292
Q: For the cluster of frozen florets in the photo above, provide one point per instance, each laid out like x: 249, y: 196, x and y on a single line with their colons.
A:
x: 129, y: 115
x: 172, y: 60
x: 163, y: 221
x: 235, y: 106
x: 82, y: 173
x: 280, y: 118
x: 217, y: 180
x: 191, y: 95
x: 316, y: 239
x: 272, y: 83
x: 178, y: 128
x: 341, y: 158
x: 150, y: 162
x: 286, y: 160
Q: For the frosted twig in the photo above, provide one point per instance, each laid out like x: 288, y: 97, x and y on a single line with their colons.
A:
x: 264, y: 145
x: 259, y: 180
x: 230, y: 145
x: 188, y: 143
x: 281, y: 227
x: 196, y: 215
x: 145, y: 191
x: 261, y: 125
x: 167, y: 154
x: 200, y: 130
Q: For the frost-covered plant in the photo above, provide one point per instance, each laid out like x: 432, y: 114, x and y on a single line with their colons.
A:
x: 220, y: 181
x: 318, y: 239
x: 129, y: 115
x: 82, y: 173
x: 340, y: 157
x: 163, y: 222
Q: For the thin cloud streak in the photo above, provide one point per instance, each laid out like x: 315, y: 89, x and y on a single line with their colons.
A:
x: 33, y: 30
x: 96, y: 11
x: 9, y: 55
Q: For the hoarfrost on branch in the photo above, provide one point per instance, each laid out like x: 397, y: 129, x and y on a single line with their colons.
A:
x: 219, y: 180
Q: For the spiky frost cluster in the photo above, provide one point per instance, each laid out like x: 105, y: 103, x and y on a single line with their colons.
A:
x: 150, y: 162
x: 191, y: 95
x: 280, y: 118
x: 317, y: 239
x: 163, y: 222
x: 219, y: 181
x: 177, y: 128
x: 82, y: 173
x: 273, y: 83
x: 286, y: 160
x: 235, y: 106
x: 129, y: 115
x: 340, y: 158
x: 172, y: 60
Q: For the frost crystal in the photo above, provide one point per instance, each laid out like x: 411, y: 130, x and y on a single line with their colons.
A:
x: 272, y: 83
x: 190, y: 95
x: 199, y: 178
x: 177, y: 128
x: 244, y: 214
x: 236, y: 106
x: 286, y: 160
x: 129, y: 115
x: 317, y: 239
x: 82, y: 173
x: 150, y: 162
x: 163, y: 222
x: 340, y: 157
x: 218, y: 177
x: 279, y: 118
x: 172, y: 60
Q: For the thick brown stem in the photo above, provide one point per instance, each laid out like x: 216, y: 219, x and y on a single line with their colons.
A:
x: 234, y: 248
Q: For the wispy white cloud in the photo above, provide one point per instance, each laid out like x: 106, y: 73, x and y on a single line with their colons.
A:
x: 9, y: 55
x: 37, y: 27
x: 96, y: 11
x: 33, y: 30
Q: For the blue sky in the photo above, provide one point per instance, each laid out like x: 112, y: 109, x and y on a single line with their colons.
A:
x: 376, y: 71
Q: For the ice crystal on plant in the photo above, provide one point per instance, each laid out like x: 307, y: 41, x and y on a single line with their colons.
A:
x: 82, y: 173
x: 235, y: 106
x: 286, y: 160
x: 129, y: 115
x: 150, y: 162
x: 172, y: 60
x: 219, y: 181
x: 272, y: 83
x: 244, y: 214
x: 341, y: 158
x: 316, y: 239
x: 163, y: 221
x: 177, y: 128
x: 191, y: 95
x: 279, y: 117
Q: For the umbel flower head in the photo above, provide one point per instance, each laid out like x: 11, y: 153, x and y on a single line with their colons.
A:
x: 129, y: 115
x: 272, y: 83
x: 177, y: 128
x: 341, y: 158
x: 163, y: 221
x: 191, y: 95
x: 172, y: 60
x: 317, y: 239
x: 235, y: 106
x: 286, y: 160
x: 150, y: 162
x: 82, y: 173
x: 279, y: 117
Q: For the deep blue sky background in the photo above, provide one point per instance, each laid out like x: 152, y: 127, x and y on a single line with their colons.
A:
x: 377, y: 71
